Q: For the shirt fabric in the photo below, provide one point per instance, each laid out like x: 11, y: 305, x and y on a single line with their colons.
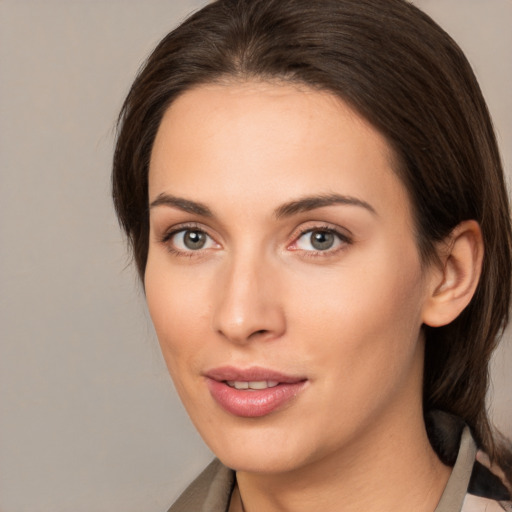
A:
x: 470, y: 488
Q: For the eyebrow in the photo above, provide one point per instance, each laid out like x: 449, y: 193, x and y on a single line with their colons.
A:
x: 182, y: 204
x: 312, y: 202
x: 301, y: 205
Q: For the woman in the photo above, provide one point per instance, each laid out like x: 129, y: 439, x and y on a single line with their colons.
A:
x: 316, y: 207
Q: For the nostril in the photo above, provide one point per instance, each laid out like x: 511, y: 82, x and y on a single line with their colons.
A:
x: 259, y: 333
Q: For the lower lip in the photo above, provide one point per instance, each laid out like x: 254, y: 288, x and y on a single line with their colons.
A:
x: 255, y: 403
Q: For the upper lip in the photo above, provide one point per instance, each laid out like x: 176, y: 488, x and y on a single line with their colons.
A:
x: 254, y: 374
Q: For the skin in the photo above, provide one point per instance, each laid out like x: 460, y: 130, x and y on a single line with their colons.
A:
x: 348, y: 318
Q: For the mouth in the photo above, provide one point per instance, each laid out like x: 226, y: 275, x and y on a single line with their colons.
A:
x: 253, y: 392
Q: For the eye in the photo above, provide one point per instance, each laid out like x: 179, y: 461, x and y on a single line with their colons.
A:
x: 319, y: 240
x: 186, y: 240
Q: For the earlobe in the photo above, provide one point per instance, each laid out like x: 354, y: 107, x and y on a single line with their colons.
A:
x: 453, y: 284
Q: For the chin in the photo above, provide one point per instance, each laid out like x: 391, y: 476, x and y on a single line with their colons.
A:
x: 255, y: 447
x: 265, y: 461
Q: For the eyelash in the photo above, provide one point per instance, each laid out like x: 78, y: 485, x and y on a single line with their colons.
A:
x: 343, y: 238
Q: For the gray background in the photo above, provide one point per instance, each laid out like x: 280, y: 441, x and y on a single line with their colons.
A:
x: 88, y: 418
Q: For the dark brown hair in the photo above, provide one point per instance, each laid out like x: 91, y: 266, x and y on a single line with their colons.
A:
x: 407, y: 77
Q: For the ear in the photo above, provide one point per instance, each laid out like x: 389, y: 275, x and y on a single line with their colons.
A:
x: 453, y: 283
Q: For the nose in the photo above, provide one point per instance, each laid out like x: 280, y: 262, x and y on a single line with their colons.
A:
x: 248, y: 305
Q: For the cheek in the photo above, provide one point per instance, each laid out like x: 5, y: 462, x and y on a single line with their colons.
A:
x: 362, y: 315
x: 173, y: 299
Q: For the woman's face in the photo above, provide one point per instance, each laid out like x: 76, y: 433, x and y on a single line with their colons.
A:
x: 283, y: 278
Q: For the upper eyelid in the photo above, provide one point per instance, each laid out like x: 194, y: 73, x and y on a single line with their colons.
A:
x: 322, y: 228
x: 319, y: 226
x: 344, y: 235
x: 298, y: 231
x: 167, y: 233
x: 341, y: 237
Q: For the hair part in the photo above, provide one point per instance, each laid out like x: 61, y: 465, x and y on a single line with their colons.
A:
x: 400, y: 71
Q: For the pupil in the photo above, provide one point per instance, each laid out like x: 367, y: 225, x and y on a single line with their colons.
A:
x: 194, y: 239
x: 322, y: 240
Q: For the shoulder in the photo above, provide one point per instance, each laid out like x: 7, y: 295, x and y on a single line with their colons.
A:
x: 486, y: 491
x: 474, y: 503
x: 209, y: 492
x: 472, y: 486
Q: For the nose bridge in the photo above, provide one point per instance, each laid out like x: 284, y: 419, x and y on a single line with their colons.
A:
x: 248, y: 304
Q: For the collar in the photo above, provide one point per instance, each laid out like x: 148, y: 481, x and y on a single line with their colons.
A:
x: 211, y: 491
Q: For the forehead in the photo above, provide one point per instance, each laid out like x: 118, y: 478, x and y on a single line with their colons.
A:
x: 244, y: 140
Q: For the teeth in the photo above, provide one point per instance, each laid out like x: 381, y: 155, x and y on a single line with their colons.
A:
x: 256, y: 384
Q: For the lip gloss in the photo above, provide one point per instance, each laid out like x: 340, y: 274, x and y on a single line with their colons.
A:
x: 252, y: 403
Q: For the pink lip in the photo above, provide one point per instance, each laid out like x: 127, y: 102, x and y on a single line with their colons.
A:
x: 252, y: 403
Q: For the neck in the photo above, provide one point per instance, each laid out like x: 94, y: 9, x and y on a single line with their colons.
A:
x: 391, y: 467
